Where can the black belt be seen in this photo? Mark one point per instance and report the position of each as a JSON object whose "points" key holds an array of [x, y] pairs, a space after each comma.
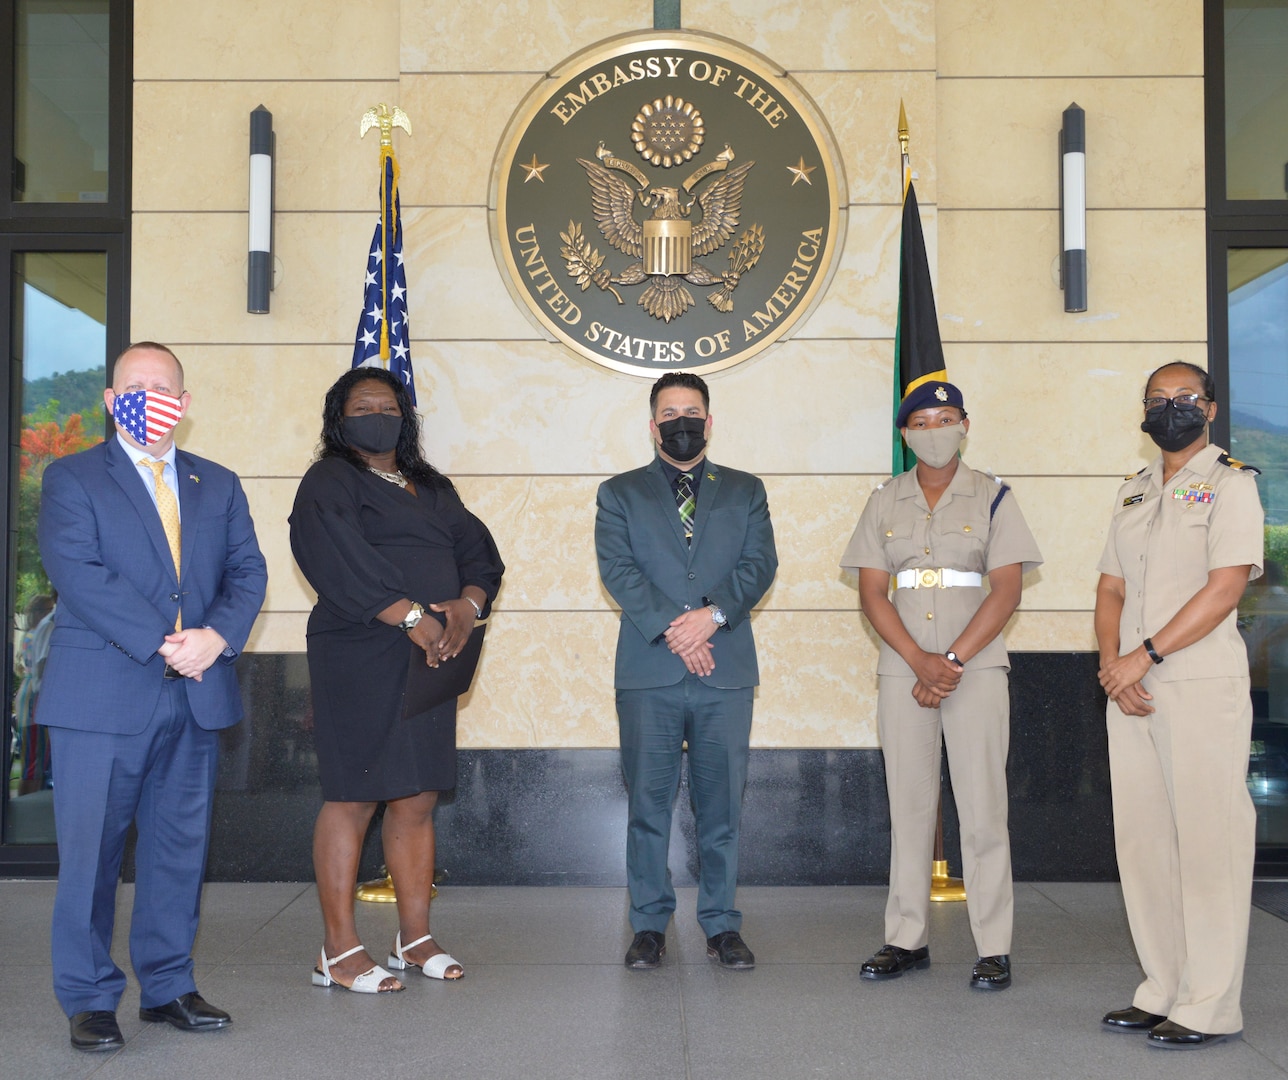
{"points": [[173, 673]]}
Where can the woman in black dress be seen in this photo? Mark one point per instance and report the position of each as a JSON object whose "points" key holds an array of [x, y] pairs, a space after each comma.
{"points": [[402, 570]]}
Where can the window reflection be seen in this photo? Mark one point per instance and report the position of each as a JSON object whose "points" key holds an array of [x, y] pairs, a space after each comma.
{"points": [[61, 101], [59, 341], [1258, 307]]}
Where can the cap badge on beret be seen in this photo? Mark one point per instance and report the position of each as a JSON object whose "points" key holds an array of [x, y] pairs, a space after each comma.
{"points": [[941, 393]]}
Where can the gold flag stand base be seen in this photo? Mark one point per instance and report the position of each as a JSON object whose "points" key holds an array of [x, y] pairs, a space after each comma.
{"points": [[381, 890], [943, 887]]}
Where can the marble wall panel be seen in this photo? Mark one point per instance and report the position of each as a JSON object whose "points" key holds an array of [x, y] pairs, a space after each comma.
{"points": [[190, 144], [862, 109], [1146, 277], [998, 141], [858, 34], [188, 278], [813, 518], [278, 632], [531, 407], [1052, 408], [525, 35], [247, 39], [1049, 37], [458, 120], [1069, 519], [863, 298], [455, 289], [270, 506], [1051, 631], [544, 527], [257, 409], [818, 685]]}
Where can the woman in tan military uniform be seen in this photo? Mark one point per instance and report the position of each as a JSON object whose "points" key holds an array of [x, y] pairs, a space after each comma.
{"points": [[936, 531], [1185, 539]]}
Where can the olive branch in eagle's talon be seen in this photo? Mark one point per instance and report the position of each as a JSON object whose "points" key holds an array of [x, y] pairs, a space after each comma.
{"points": [[745, 254], [585, 265]]}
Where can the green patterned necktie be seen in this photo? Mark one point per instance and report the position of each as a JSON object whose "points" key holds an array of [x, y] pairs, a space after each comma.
{"points": [[684, 500]]}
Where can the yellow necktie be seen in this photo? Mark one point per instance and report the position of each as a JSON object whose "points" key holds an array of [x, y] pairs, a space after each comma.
{"points": [[168, 508]]}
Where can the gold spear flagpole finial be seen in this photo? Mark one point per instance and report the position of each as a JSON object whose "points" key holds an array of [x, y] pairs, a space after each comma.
{"points": [[386, 118], [906, 161]]}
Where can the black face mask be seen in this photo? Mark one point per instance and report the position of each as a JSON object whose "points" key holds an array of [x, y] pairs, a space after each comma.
{"points": [[683, 438], [1173, 427], [374, 433]]}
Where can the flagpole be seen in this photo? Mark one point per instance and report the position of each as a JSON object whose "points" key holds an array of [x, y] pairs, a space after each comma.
{"points": [[942, 887]]}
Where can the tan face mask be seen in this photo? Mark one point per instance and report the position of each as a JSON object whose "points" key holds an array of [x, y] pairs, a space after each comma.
{"points": [[935, 446]]}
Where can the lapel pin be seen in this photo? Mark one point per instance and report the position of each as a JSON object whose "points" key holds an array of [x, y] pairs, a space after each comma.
{"points": [[194, 478], [711, 476]]}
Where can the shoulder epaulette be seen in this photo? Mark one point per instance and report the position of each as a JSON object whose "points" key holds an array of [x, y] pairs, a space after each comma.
{"points": [[883, 483], [1132, 476], [1235, 463]]}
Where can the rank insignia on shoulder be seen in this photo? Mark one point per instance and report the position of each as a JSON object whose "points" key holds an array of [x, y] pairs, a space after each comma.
{"points": [[1235, 463], [1132, 500], [1132, 476]]}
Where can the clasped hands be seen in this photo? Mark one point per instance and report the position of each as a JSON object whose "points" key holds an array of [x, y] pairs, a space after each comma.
{"points": [[937, 677], [444, 642], [190, 652], [1121, 677], [689, 636]]}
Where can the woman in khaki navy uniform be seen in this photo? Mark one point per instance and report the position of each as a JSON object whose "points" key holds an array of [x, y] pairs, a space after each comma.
{"points": [[937, 530], [1185, 539]]}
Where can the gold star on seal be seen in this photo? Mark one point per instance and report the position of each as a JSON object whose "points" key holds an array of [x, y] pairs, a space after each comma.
{"points": [[800, 172], [534, 169]]}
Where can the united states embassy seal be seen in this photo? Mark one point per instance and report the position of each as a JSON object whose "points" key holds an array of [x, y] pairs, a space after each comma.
{"points": [[667, 201]]}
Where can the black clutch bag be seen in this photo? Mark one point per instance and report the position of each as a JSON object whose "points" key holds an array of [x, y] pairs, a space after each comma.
{"points": [[428, 687]]}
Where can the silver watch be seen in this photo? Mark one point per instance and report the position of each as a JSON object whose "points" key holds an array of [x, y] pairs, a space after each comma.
{"points": [[412, 618], [717, 616]]}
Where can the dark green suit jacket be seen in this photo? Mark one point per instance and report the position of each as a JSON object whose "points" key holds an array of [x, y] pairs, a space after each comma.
{"points": [[655, 576]]}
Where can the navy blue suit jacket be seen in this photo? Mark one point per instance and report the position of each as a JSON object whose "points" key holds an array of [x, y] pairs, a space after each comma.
{"points": [[655, 576], [105, 551]]}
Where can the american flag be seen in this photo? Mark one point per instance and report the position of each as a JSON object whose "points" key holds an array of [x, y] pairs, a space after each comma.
{"points": [[146, 415], [383, 339]]}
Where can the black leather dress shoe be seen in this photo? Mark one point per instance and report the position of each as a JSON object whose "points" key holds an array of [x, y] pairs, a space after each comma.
{"points": [[890, 961], [1171, 1036], [1131, 1020], [732, 952], [646, 950], [991, 973], [191, 1012], [96, 1030]]}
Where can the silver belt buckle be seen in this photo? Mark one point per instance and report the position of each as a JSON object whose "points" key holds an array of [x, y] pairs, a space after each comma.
{"points": [[929, 579]]}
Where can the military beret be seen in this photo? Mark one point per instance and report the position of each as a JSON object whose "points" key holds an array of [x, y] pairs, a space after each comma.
{"points": [[928, 395]]}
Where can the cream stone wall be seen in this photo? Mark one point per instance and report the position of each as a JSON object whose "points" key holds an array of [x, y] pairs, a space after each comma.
{"points": [[528, 431]]}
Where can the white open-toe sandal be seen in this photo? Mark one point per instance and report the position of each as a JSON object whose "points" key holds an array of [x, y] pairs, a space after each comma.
{"points": [[433, 968], [366, 983]]}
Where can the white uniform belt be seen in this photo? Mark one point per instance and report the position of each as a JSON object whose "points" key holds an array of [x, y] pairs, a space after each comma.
{"points": [[936, 579]]}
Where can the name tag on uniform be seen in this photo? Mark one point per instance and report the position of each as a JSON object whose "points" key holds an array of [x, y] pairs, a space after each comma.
{"points": [[1195, 493], [1132, 500]]}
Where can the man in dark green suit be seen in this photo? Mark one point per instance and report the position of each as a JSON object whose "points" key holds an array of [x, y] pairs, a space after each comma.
{"points": [[686, 549]]}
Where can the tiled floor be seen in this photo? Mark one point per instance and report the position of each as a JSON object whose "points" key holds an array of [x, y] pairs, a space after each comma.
{"points": [[546, 995]]}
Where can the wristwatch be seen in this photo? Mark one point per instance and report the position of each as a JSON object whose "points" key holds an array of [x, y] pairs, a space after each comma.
{"points": [[953, 658], [412, 618], [717, 616]]}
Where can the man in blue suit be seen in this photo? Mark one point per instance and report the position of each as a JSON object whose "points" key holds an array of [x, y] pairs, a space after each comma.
{"points": [[159, 580], [686, 549]]}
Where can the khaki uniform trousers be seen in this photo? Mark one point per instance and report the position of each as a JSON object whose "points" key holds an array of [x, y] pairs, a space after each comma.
{"points": [[1185, 831], [975, 722]]}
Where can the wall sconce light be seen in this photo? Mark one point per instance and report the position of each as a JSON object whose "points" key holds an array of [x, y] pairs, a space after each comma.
{"points": [[259, 275], [1073, 208]]}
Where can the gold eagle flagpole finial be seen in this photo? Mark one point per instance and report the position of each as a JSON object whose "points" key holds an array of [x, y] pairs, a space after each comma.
{"points": [[386, 118]]}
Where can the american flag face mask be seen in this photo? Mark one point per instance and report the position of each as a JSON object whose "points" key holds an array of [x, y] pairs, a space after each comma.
{"points": [[146, 415]]}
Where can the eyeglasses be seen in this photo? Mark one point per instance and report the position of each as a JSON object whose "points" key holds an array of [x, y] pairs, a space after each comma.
{"points": [[1181, 401]]}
